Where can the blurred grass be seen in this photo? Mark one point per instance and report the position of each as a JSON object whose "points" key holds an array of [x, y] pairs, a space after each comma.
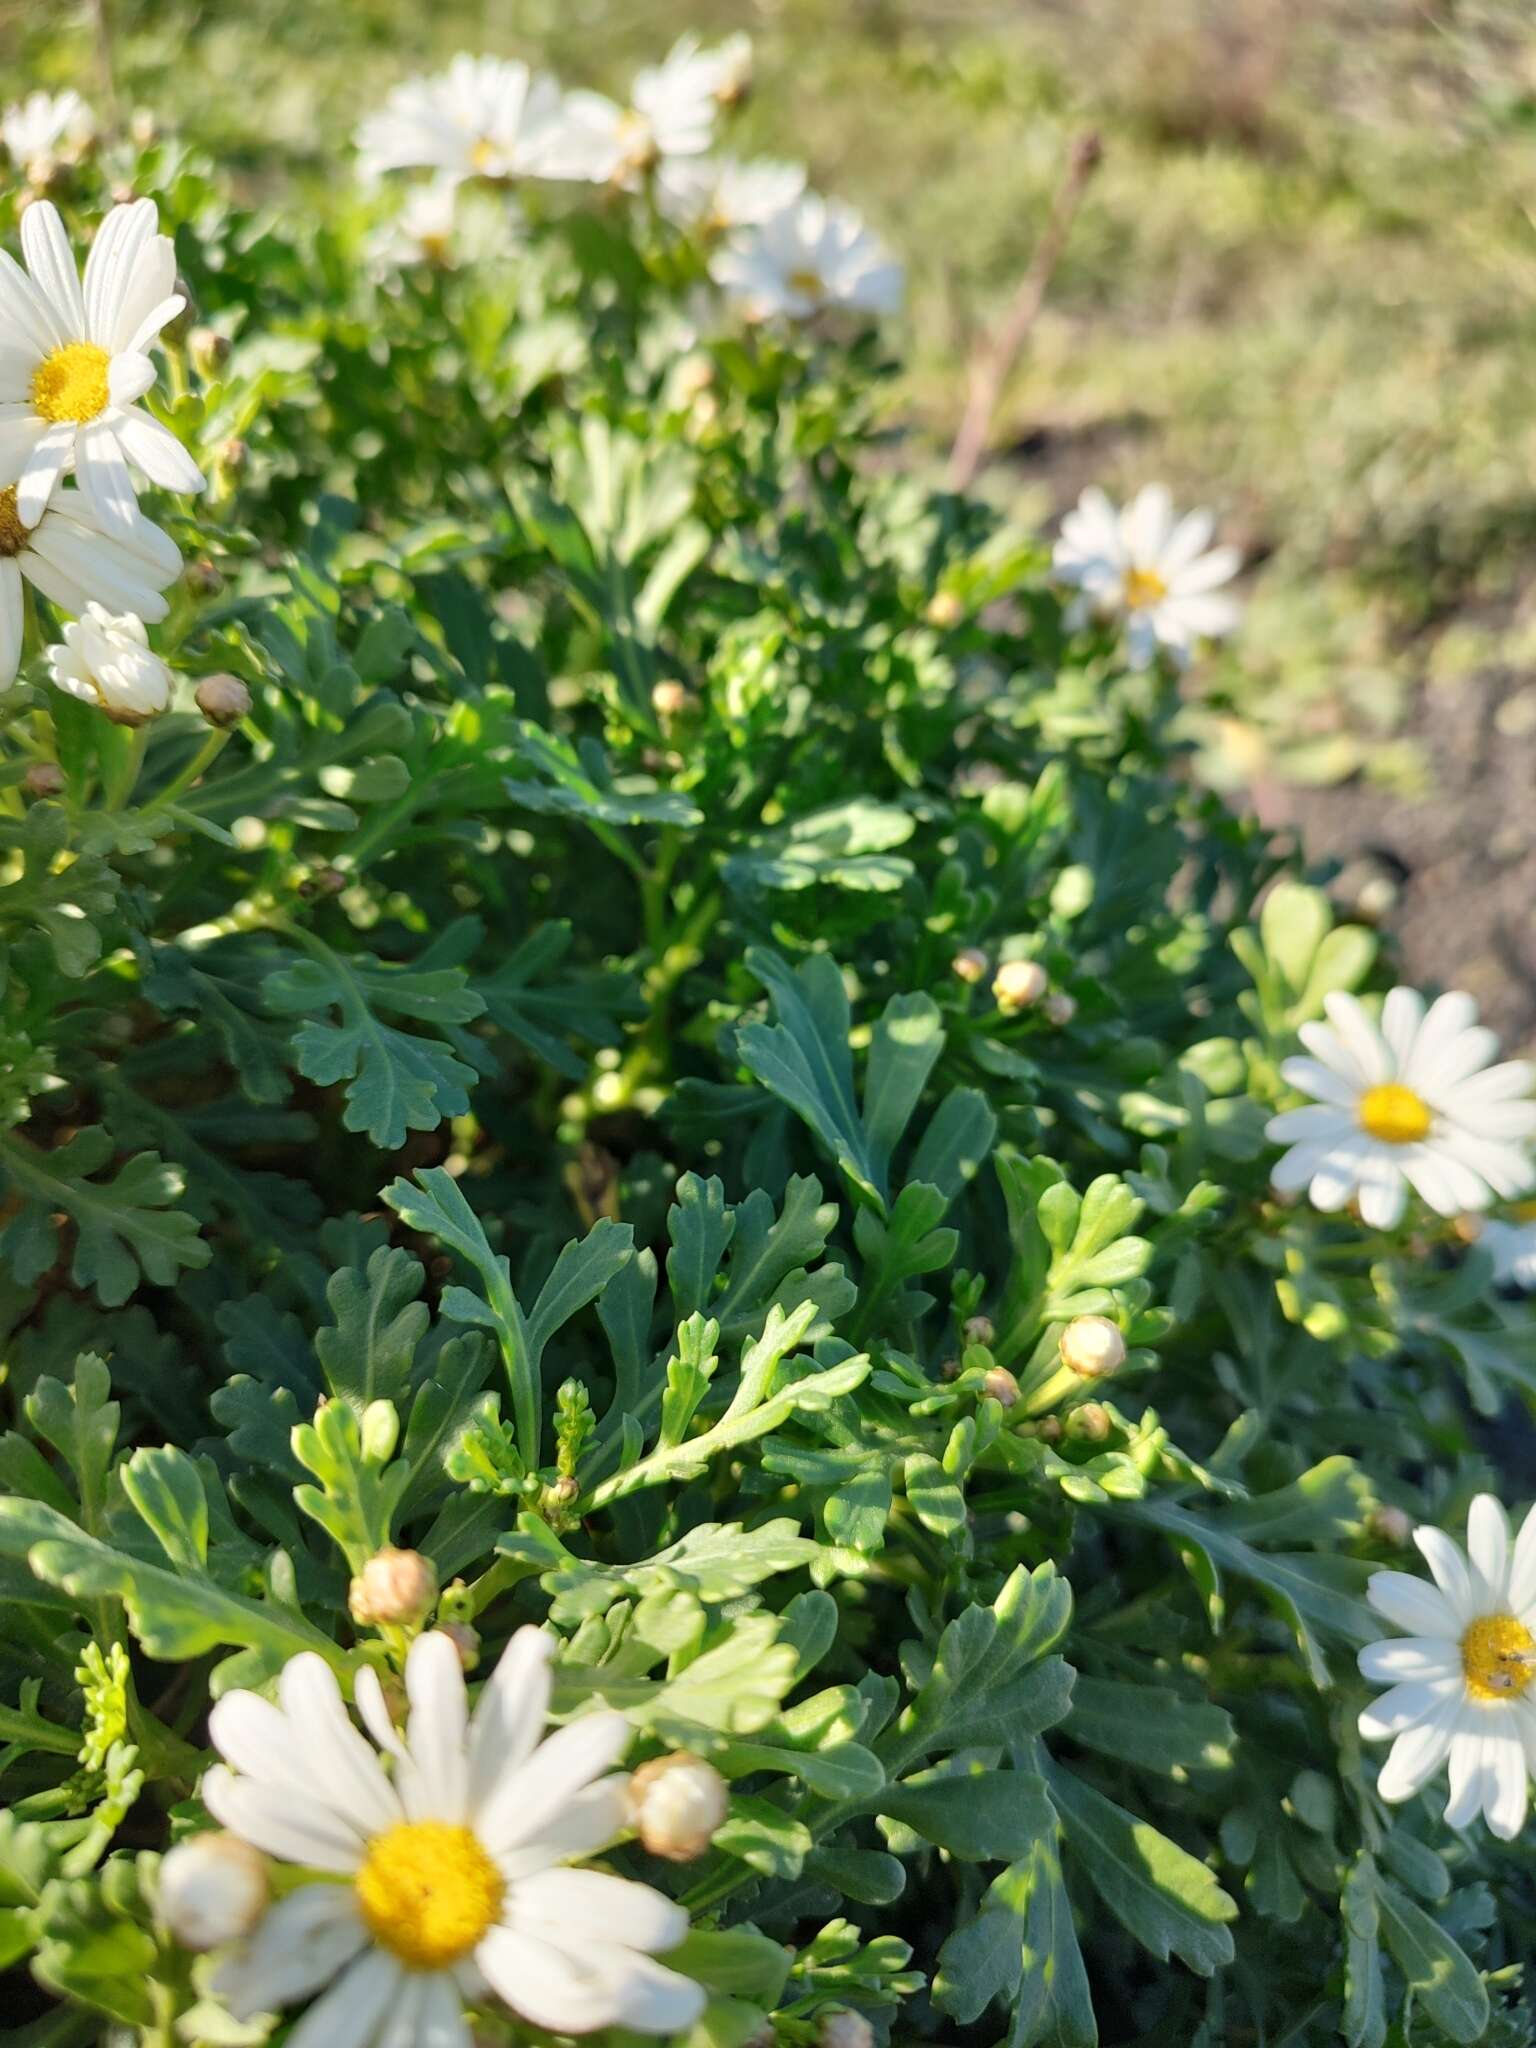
{"points": [[1303, 286]]}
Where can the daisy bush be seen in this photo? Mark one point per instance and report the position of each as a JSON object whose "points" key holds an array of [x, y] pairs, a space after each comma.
{"points": [[720, 1321]]}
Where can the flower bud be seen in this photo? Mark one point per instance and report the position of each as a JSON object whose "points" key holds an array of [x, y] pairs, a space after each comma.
{"points": [[1000, 1386], [144, 129], [208, 349], [223, 700], [670, 699], [1048, 1429], [465, 1640], [395, 1587], [978, 1330], [43, 779], [1090, 1423], [1058, 1008], [845, 2029], [1092, 1347], [213, 1889], [105, 660], [944, 610], [233, 456], [675, 1804], [693, 376], [1392, 1525], [969, 964], [1018, 983]]}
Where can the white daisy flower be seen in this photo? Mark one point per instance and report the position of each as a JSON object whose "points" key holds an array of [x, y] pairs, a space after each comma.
{"points": [[812, 256], [71, 558], [106, 661], [73, 361], [731, 68], [484, 117], [442, 225], [713, 195], [451, 1860], [1161, 573], [1461, 1678], [671, 113], [46, 126], [1412, 1102], [1513, 1249]]}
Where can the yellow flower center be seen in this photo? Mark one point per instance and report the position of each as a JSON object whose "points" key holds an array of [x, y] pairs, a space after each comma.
{"points": [[427, 1892], [807, 283], [71, 384], [13, 535], [1143, 589], [637, 143], [1493, 1654], [1394, 1114], [483, 155]]}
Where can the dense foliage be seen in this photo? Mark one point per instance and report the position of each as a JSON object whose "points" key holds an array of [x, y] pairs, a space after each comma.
{"points": [[525, 1093]]}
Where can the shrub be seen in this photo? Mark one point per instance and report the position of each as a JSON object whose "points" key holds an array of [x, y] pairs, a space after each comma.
{"points": [[659, 1047]]}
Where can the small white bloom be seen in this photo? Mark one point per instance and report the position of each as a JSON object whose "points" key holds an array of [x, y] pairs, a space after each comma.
{"points": [[213, 1889], [1412, 1102], [46, 126], [731, 68], [676, 1803], [813, 255], [1092, 1347], [1512, 1247], [451, 1858], [74, 561], [714, 195], [1461, 1678], [106, 661], [73, 363], [1018, 983], [671, 113], [484, 117], [1162, 574]]}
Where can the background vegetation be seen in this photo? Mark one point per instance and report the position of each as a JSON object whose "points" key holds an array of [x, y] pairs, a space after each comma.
{"points": [[1300, 289]]}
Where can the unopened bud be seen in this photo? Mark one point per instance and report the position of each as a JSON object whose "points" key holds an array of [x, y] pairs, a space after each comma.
{"points": [[1018, 983], [693, 375], [969, 964], [208, 349], [394, 1588], [563, 1491], [181, 324], [944, 610], [845, 2029], [1392, 1525], [144, 129], [1092, 1347], [213, 1889], [670, 699], [1059, 1008], [675, 1805], [233, 456], [978, 1330], [223, 700], [465, 1640], [44, 779], [203, 577], [1048, 1429], [1000, 1385], [1091, 1423]]}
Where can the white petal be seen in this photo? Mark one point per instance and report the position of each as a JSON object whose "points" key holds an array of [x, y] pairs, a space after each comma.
{"points": [[1406, 1705], [1359, 1037], [368, 1697], [1446, 1560], [510, 1713], [1403, 1658], [269, 1821], [1383, 1193], [156, 450], [1420, 1609], [1201, 578], [527, 1799], [44, 466], [149, 282], [545, 1986], [335, 1755], [1436, 1053], [1522, 1575], [128, 378], [553, 1902], [13, 619], [159, 315], [52, 264], [355, 2007], [109, 264], [103, 477], [1417, 1754], [1313, 1078], [1505, 1783], [1319, 1120], [435, 1734], [26, 318], [1488, 1547], [1146, 524], [300, 1944]]}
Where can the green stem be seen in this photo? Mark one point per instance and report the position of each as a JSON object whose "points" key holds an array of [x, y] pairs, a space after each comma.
{"points": [[195, 769]]}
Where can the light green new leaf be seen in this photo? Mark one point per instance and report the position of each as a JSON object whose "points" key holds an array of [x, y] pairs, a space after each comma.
{"points": [[1440, 1974]]}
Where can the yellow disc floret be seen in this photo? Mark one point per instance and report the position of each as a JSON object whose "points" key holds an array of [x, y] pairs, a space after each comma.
{"points": [[808, 283], [428, 1892], [71, 384], [1493, 1656], [1143, 589], [1394, 1114], [13, 535]]}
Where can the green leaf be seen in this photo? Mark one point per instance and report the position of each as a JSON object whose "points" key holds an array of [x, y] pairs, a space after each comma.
{"points": [[992, 1682], [982, 1816], [361, 1481], [578, 783], [369, 1352], [1438, 1970], [764, 1837], [1364, 2023], [804, 1059], [81, 1422], [1150, 1726], [124, 1227], [1168, 1900]]}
